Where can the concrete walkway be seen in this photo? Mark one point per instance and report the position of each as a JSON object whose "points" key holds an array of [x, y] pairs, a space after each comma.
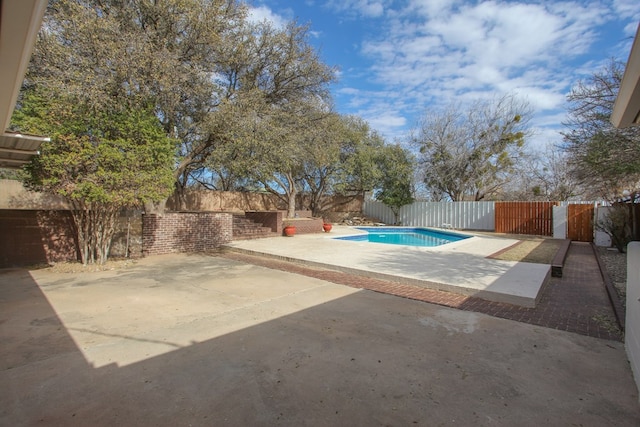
{"points": [[461, 267], [208, 341], [577, 302]]}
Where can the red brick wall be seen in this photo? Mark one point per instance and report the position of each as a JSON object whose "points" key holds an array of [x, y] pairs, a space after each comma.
{"points": [[185, 232], [29, 237], [267, 219], [305, 226]]}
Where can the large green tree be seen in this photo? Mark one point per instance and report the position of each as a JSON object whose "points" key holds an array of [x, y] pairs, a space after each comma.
{"points": [[603, 158], [343, 161], [359, 158], [395, 188], [207, 72], [284, 143], [276, 87], [100, 161], [470, 154]]}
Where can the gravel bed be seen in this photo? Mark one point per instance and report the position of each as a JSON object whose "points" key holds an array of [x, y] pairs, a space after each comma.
{"points": [[616, 265]]}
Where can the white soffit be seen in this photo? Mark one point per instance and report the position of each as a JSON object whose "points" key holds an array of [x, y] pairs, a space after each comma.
{"points": [[17, 149], [626, 110], [20, 21]]}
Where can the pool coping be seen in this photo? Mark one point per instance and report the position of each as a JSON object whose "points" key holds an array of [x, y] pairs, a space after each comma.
{"points": [[460, 267]]}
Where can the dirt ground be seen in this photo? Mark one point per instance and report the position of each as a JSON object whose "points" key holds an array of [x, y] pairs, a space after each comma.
{"points": [[532, 249]]}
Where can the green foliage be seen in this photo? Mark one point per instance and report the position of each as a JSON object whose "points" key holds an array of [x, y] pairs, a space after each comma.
{"points": [[205, 69], [117, 157], [13, 174], [359, 158], [396, 165], [245, 99], [100, 161], [617, 224], [230, 91], [342, 159]]}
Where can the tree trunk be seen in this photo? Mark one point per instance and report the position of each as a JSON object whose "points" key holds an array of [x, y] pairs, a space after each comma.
{"points": [[291, 196], [291, 208], [396, 215]]}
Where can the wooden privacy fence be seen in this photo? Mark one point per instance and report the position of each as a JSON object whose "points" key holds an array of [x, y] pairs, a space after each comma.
{"points": [[580, 222], [535, 218]]}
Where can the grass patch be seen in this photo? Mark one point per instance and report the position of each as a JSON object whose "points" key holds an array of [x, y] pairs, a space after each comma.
{"points": [[535, 250]]}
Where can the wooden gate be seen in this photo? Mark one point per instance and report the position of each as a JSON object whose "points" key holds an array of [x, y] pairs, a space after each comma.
{"points": [[534, 218], [580, 222]]}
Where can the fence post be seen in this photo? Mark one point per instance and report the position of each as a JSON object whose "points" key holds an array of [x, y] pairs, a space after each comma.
{"points": [[601, 238], [560, 222]]}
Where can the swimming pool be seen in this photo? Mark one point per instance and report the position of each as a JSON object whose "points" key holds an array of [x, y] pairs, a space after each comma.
{"points": [[405, 236]]}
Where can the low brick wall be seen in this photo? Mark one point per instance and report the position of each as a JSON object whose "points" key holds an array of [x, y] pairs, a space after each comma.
{"points": [[277, 220], [272, 219], [185, 232], [29, 237], [306, 225]]}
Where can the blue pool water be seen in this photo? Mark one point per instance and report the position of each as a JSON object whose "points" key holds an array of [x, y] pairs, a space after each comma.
{"points": [[405, 236]]}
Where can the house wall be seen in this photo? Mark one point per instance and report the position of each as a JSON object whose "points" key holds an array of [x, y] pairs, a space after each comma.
{"points": [[632, 317]]}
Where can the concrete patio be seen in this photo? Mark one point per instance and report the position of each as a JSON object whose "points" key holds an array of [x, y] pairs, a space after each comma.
{"points": [[460, 267], [202, 340]]}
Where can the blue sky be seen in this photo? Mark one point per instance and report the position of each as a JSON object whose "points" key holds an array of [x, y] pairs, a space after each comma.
{"points": [[396, 58]]}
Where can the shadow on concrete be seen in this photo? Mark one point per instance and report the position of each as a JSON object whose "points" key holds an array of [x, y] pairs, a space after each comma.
{"points": [[360, 359]]}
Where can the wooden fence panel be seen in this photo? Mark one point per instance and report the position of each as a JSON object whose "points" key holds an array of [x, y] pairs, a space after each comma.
{"points": [[535, 218], [580, 223]]}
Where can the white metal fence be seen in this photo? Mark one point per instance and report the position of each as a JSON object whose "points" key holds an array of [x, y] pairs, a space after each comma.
{"points": [[460, 215], [468, 216]]}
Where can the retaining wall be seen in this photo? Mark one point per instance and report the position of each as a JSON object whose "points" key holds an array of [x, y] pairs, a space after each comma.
{"points": [[185, 232], [305, 225]]}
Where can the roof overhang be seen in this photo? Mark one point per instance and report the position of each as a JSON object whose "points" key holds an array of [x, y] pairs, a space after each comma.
{"points": [[626, 110], [20, 21], [17, 149]]}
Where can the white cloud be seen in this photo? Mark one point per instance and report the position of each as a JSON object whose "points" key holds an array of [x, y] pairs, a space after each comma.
{"points": [[430, 53], [365, 8], [386, 122], [432, 8], [263, 13], [383, 110], [627, 9], [437, 51], [543, 137]]}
